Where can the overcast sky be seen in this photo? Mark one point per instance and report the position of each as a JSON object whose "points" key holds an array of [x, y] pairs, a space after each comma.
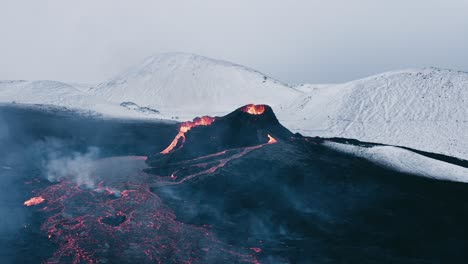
{"points": [[310, 41]]}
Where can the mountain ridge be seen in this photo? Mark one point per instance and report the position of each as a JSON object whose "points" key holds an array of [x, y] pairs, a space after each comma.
{"points": [[186, 81], [422, 109]]}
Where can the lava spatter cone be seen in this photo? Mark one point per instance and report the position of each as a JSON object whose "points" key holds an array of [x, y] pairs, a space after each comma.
{"points": [[246, 126]]}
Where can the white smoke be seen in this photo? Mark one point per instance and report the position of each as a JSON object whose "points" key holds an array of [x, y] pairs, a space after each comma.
{"points": [[77, 167]]}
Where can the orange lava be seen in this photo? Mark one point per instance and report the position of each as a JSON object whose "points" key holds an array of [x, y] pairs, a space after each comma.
{"points": [[254, 109], [186, 126], [271, 140], [34, 201], [220, 163]]}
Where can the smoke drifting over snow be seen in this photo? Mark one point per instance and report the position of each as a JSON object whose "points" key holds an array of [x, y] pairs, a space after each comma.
{"points": [[77, 167]]}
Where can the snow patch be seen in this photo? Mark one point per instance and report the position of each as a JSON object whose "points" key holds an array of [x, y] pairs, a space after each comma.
{"points": [[52, 95], [405, 161]]}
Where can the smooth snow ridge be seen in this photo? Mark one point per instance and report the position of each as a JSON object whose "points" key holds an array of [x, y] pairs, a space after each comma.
{"points": [[60, 94], [422, 109], [405, 161], [181, 82]]}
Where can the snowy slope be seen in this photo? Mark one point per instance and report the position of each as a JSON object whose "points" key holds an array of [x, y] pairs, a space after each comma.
{"points": [[406, 161], [423, 109], [60, 94], [187, 85]]}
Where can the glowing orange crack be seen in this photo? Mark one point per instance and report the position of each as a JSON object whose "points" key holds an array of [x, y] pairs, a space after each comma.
{"points": [[221, 163], [34, 201], [271, 140], [186, 126]]}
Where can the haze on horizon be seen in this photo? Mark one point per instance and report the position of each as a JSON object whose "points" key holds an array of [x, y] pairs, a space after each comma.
{"points": [[293, 41]]}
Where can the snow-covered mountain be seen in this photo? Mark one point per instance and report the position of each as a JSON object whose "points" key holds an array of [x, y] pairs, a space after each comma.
{"points": [[182, 83], [425, 109], [58, 94]]}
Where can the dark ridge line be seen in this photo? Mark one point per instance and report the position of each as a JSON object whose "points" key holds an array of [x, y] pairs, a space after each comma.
{"points": [[64, 112]]}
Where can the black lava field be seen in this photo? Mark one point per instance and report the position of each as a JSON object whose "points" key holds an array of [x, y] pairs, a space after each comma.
{"points": [[240, 188]]}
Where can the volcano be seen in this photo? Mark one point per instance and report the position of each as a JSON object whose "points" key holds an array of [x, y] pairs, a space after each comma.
{"points": [[242, 188], [247, 126], [297, 200], [207, 144]]}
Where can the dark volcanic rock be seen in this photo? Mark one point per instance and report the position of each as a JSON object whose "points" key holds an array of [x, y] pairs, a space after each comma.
{"points": [[226, 195], [306, 202], [114, 220], [235, 130]]}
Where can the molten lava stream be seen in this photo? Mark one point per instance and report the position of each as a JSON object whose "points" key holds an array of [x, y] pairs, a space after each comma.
{"points": [[103, 225], [91, 227], [211, 166], [186, 126]]}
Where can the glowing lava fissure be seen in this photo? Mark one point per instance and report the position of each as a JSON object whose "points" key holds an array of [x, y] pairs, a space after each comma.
{"points": [[186, 126], [136, 227], [133, 225], [204, 165], [34, 201], [254, 109]]}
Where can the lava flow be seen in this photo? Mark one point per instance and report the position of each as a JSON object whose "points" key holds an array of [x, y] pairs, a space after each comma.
{"points": [[34, 201], [186, 126], [124, 220], [190, 169], [254, 109], [134, 227]]}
